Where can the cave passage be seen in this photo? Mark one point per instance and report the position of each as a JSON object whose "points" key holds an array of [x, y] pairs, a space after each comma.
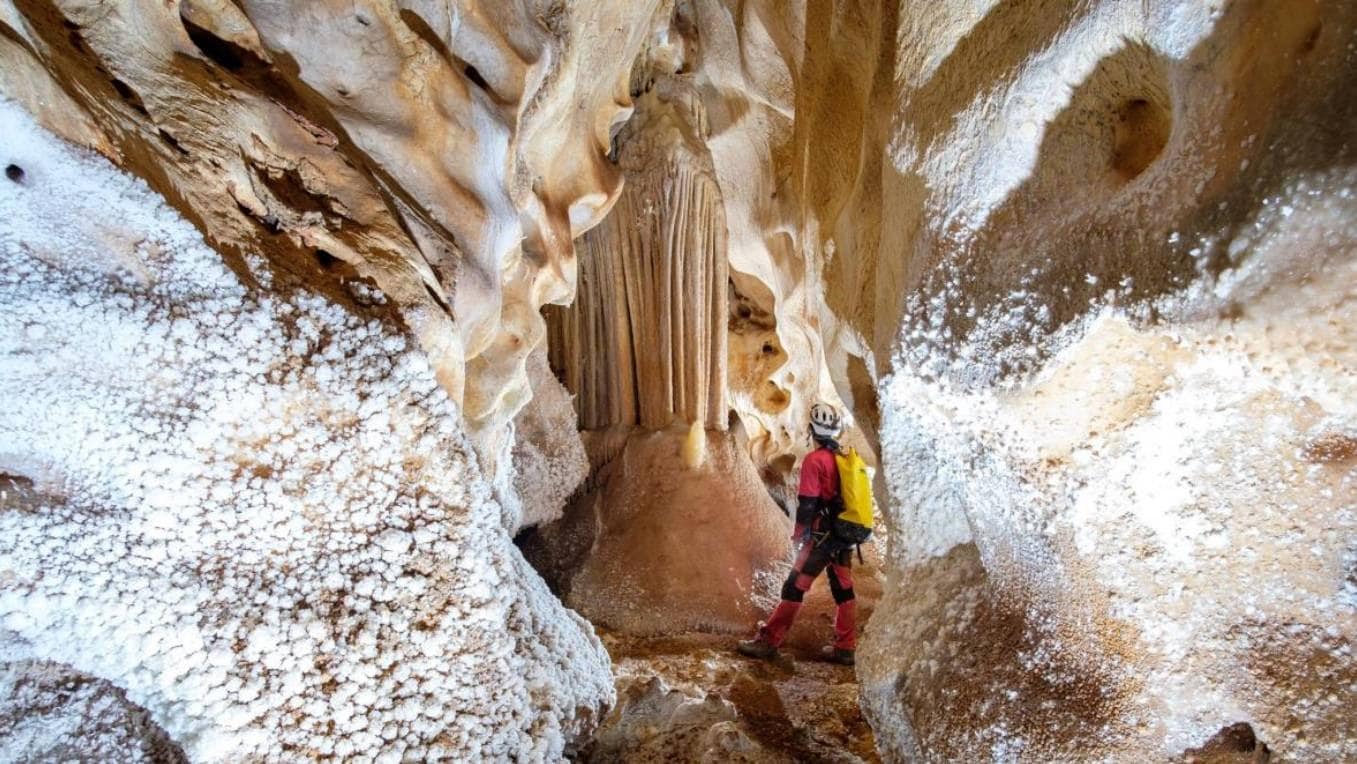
{"points": [[431, 381]]}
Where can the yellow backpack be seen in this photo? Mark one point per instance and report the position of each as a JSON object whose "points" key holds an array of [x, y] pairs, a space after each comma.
{"points": [[855, 490]]}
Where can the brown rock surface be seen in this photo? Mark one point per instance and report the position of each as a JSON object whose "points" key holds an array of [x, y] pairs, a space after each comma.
{"points": [[652, 546], [691, 698]]}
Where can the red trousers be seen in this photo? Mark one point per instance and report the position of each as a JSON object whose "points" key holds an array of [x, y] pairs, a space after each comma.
{"points": [[810, 560]]}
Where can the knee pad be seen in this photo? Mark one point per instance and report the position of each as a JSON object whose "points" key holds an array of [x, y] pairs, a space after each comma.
{"points": [[790, 592], [841, 584]]}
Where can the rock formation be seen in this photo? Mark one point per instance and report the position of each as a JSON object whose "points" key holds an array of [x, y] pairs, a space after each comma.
{"points": [[1080, 273], [645, 341], [549, 460], [656, 546], [1128, 300], [306, 135], [673, 497], [255, 513]]}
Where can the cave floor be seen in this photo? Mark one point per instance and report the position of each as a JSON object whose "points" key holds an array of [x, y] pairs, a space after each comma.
{"points": [[674, 691], [691, 697]]}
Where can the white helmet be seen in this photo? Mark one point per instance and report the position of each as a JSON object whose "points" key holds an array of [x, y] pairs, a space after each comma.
{"points": [[825, 421]]}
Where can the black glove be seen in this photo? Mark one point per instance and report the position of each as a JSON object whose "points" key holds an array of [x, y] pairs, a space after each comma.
{"points": [[807, 508]]}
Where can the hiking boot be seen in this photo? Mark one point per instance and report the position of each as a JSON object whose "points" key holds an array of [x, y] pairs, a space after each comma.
{"points": [[757, 648], [837, 655]]}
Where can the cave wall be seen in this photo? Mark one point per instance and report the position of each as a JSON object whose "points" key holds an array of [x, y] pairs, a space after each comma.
{"points": [[785, 95], [256, 513], [1117, 245], [305, 134]]}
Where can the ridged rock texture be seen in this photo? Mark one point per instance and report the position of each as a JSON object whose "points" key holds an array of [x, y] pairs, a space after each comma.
{"points": [[645, 341], [643, 348], [1082, 275]]}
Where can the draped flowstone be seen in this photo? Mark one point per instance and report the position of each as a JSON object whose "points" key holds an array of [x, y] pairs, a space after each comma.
{"points": [[645, 341]]}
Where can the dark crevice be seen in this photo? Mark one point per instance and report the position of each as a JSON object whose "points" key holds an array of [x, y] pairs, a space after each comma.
{"points": [[1237, 742], [129, 95], [434, 296], [288, 187], [172, 142], [525, 536], [552, 316], [222, 52], [269, 222], [476, 78], [1311, 40]]}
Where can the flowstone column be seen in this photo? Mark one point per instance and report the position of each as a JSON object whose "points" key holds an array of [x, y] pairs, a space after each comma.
{"points": [[680, 530]]}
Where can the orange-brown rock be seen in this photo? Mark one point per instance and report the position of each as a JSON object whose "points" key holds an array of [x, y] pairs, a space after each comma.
{"points": [[657, 545]]}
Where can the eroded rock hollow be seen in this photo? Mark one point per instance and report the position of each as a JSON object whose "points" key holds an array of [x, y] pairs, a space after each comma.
{"points": [[312, 309]]}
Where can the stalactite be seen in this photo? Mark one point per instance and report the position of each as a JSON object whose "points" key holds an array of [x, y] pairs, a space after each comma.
{"points": [[645, 341]]}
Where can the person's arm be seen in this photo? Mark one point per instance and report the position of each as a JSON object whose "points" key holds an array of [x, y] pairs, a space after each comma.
{"points": [[808, 501], [807, 507]]}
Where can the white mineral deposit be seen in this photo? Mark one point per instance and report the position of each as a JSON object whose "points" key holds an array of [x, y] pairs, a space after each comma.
{"points": [[449, 380]]}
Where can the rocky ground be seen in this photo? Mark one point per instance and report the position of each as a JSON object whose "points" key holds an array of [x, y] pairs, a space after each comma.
{"points": [[690, 697]]}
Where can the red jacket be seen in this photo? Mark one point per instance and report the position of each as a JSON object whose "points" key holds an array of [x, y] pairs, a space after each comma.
{"points": [[819, 475], [819, 480]]}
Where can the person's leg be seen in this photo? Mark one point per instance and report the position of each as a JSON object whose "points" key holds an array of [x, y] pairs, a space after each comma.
{"points": [[810, 560], [845, 615]]}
